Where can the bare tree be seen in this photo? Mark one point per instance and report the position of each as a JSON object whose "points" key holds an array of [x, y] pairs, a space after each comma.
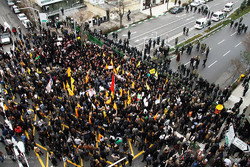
{"points": [[238, 68], [246, 54], [120, 10]]}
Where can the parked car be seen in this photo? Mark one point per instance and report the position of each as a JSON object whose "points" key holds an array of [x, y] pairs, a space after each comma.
{"points": [[177, 9], [5, 38], [15, 9], [26, 23], [195, 3], [10, 3], [22, 16]]}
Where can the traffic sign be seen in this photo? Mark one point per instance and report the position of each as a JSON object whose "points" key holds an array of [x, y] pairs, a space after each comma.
{"points": [[241, 145]]}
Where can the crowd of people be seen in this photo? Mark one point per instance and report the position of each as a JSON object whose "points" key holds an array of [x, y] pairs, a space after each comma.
{"points": [[87, 101]]}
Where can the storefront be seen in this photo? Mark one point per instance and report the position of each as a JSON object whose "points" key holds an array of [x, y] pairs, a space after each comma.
{"points": [[54, 6]]}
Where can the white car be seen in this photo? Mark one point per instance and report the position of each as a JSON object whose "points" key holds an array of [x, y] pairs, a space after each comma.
{"points": [[26, 23], [15, 9], [11, 3], [195, 3], [22, 16], [5, 38]]}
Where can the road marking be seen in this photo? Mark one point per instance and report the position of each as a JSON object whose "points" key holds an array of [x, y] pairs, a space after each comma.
{"points": [[168, 31], [227, 53], [212, 64], [190, 18], [47, 164], [131, 148], [187, 63], [173, 57], [157, 28], [237, 44], [233, 33], [40, 160], [221, 41], [133, 32], [137, 40], [124, 35]]}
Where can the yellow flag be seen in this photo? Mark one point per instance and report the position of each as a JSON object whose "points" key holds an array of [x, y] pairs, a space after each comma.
{"points": [[30, 56], [139, 77], [166, 81], [122, 71], [166, 111], [112, 64], [128, 93], [133, 85], [29, 71], [64, 86], [39, 72], [108, 101], [104, 114], [107, 67], [129, 100], [67, 85], [87, 78], [114, 71], [121, 92], [106, 93], [72, 83], [112, 94], [156, 74], [138, 64], [78, 105], [69, 72], [103, 55], [71, 93], [159, 97], [115, 106], [5, 107], [147, 86], [117, 69], [155, 117]]}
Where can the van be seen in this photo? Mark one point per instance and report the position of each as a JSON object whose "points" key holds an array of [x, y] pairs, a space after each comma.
{"points": [[27, 23], [228, 7], [201, 23], [217, 16]]}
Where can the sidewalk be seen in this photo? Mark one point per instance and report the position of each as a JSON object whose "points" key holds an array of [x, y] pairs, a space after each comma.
{"points": [[161, 9]]}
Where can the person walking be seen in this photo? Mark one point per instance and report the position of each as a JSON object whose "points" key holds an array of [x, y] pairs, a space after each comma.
{"points": [[176, 40], [184, 30], [246, 87], [207, 51], [231, 24], [204, 62], [187, 29], [130, 158], [129, 33]]}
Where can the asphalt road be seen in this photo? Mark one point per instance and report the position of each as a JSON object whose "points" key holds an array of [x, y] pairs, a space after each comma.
{"points": [[169, 26], [225, 45]]}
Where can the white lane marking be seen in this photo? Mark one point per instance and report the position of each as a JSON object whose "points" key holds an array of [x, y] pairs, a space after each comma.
{"points": [[187, 63], [190, 18], [233, 34], [168, 31], [237, 44], [124, 35], [173, 57], [215, 4], [221, 41], [133, 32], [137, 40], [157, 28], [212, 64], [227, 53]]}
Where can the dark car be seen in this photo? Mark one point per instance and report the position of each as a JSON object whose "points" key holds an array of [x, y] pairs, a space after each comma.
{"points": [[177, 9]]}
